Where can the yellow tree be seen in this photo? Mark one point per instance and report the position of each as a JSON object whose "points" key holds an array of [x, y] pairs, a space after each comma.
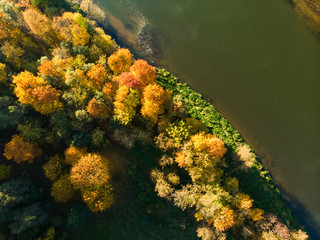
{"points": [[153, 101], [74, 154], [99, 199], [90, 172], [120, 61], [209, 143], [62, 190], [20, 150], [34, 91], [126, 101], [39, 24]]}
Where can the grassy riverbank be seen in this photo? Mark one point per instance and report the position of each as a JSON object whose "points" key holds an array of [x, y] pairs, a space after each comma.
{"points": [[257, 182]]}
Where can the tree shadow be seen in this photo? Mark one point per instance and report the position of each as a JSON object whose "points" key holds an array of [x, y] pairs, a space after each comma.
{"points": [[305, 217]]}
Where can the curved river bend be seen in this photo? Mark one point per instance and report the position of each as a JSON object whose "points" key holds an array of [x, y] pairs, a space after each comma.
{"points": [[260, 64]]}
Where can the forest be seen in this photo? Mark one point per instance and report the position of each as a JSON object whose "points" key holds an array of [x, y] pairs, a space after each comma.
{"points": [[75, 107]]}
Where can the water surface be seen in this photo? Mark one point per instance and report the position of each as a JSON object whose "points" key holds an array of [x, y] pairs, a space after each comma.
{"points": [[260, 64]]}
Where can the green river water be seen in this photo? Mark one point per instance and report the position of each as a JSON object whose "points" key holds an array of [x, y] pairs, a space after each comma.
{"points": [[260, 64]]}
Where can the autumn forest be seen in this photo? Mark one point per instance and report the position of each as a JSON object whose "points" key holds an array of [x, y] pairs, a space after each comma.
{"points": [[70, 97]]}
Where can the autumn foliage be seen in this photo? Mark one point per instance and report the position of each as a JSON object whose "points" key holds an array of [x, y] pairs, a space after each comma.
{"points": [[97, 75], [74, 154], [90, 172], [35, 91], [129, 80], [62, 190], [153, 101], [120, 61], [97, 110], [145, 73], [20, 150]]}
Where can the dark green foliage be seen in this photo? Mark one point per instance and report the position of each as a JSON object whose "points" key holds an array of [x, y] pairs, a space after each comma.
{"points": [[27, 217], [11, 112], [32, 131], [61, 124], [78, 216], [18, 191]]}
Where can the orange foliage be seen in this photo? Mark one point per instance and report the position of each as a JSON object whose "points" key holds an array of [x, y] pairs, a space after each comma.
{"points": [[128, 79], [47, 68], [90, 172], [97, 110], [73, 154], [153, 100], [46, 99], [120, 61], [97, 75], [20, 150], [99, 199], [145, 73], [180, 159], [109, 88], [209, 142], [225, 219]]}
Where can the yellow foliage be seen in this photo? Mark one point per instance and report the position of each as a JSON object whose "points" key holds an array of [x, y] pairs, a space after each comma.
{"points": [[153, 101], [209, 142], [120, 61], [225, 220], [99, 199], [53, 168], [20, 150], [256, 214], [62, 190], [73, 154], [97, 75]]}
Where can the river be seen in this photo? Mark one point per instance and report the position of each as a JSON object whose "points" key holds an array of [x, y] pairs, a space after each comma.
{"points": [[260, 64]]}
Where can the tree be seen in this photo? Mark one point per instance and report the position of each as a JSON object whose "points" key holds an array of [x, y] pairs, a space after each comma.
{"points": [[126, 101], [74, 154], [103, 41], [97, 75], [47, 68], [5, 171], [93, 11], [97, 110], [145, 73], [129, 80], [27, 217], [90, 172], [100, 198], [3, 74], [62, 190], [34, 91], [32, 131], [14, 55], [153, 100], [20, 150], [209, 143], [54, 168], [39, 24], [69, 30], [120, 61]]}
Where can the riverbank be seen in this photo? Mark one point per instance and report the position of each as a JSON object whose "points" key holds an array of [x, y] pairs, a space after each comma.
{"points": [[257, 182], [310, 11]]}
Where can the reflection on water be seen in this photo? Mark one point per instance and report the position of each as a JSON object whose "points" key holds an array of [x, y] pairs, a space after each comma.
{"points": [[259, 63]]}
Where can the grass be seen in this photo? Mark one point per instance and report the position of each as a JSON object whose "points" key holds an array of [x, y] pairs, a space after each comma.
{"points": [[138, 213]]}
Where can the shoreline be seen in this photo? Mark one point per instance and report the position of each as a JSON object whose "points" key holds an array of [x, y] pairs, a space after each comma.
{"points": [[289, 213]]}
